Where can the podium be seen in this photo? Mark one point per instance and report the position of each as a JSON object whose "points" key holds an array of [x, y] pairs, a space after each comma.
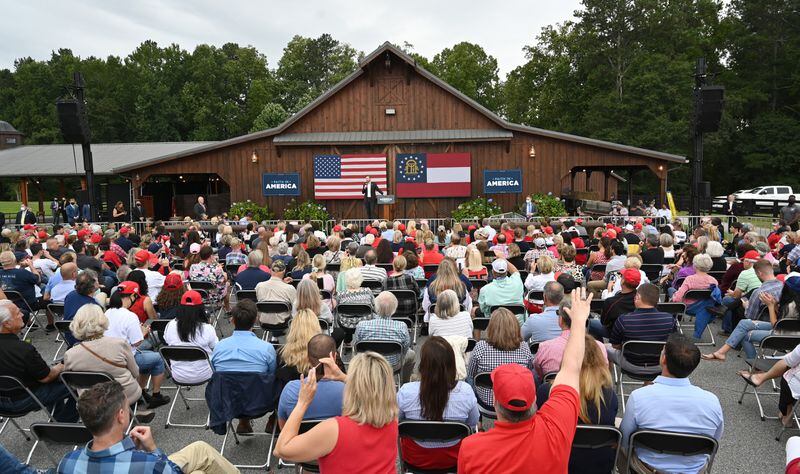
{"points": [[386, 206]]}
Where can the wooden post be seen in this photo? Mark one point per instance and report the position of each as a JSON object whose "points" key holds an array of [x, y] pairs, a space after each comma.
{"points": [[41, 197], [630, 189], [572, 180], [588, 177], [606, 175], [23, 191]]}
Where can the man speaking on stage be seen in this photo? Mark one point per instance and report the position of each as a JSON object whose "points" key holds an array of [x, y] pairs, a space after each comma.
{"points": [[370, 191]]}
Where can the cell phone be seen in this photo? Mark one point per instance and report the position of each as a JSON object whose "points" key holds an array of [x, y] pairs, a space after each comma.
{"points": [[320, 284], [163, 255]]}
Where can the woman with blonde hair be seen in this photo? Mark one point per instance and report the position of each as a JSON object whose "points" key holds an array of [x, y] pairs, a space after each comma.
{"points": [[599, 406], [446, 278], [348, 262], [334, 252], [473, 264], [364, 437], [318, 265], [542, 271], [294, 354], [302, 263], [308, 297], [503, 345]]}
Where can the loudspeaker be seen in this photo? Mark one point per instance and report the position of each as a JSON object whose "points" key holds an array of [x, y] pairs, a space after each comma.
{"points": [[709, 108], [72, 121], [704, 189]]}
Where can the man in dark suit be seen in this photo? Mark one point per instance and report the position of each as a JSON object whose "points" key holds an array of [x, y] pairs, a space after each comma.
{"points": [[137, 213], [370, 191], [200, 210], [731, 208], [25, 216]]}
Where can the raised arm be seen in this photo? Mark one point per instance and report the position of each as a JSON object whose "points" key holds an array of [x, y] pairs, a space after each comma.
{"points": [[573, 352]]}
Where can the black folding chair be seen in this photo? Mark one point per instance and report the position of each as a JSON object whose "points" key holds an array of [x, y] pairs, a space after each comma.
{"points": [[787, 327], [205, 288], [62, 434], [75, 381], [478, 283], [305, 426], [13, 387], [764, 360], [484, 381], [351, 310], [652, 270], [21, 303], [387, 349], [470, 345], [386, 266], [413, 303], [232, 269], [430, 269], [591, 441], [647, 354], [699, 295], [157, 329], [274, 307], [172, 354], [717, 276], [333, 267], [596, 306], [599, 267], [534, 347], [674, 443], [375, 285], [480, 324], [517, 309], [242, 295], [63, 328], [534, 296], [422, 431]]}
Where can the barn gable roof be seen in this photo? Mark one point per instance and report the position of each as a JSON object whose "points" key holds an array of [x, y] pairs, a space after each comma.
{"points": [[373, 56]]}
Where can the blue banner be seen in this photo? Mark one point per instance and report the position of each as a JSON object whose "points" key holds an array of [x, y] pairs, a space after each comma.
{"points": [[280, 184], [502, 181]]}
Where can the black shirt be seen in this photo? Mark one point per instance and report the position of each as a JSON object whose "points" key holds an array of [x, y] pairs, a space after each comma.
{"points": [[21, 360], [617, 305], [653, 256], [85, 261]]}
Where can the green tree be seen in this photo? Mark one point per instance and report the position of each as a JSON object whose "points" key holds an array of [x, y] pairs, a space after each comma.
{"points": [[271, 115], [468, 68]]}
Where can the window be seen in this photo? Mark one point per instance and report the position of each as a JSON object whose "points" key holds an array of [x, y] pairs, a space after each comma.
{"points": [[784, 190], [11, 140]]}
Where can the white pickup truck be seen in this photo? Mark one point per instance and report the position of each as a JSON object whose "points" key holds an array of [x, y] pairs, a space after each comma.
{"points": [[762, 197]]}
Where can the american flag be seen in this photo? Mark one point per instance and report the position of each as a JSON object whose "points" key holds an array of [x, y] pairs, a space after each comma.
{"points": [[342, 176]]}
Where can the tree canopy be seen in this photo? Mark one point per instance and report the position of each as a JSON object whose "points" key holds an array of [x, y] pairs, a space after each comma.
{"points": [[620, 71]]}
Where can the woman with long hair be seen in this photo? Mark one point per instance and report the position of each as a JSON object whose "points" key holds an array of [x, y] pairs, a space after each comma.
{"points": [[503, 345], [412, 264], [446, 278], [364, 437], [313, 245], [143, 306], [598, 406], [402, 280], [438, 396], [349, 261], [308, 297], [119, 214], [384, 251], [294, 354], [334, 252], [600, 257], [473, 264], [397, 241], [302, 263], [170, 295], [191, 328], [318, 265]]}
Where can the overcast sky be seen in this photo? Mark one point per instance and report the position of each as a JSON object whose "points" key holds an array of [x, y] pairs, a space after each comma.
{"points": [[100, 28]]}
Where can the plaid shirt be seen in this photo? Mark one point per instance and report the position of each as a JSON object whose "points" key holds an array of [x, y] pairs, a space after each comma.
{"points": [[794, 254], [486, 358], [235, 258], [383, 329], [405, 306], [120, 458]]}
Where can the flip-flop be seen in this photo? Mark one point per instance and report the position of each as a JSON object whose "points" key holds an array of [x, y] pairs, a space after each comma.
{"points": [[746, 377], [711, 356]]}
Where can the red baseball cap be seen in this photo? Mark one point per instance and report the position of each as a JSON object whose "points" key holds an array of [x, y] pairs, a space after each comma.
{"points": [[142, 256], [401, 227], [752, 256], [28, 227], [173, 281], [191, 298], [337, 228], [514, 388], [548, 230], [96, 238], [637, 226], [42, 234], [631, 276], [648, 221], [83, 233], [609, 226], [123, 230], [472, 227], [128, 288], [579, 221], [610, 233]]}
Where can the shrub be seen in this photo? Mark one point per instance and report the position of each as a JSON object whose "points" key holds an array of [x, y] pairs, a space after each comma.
{"points": [[548, 206], [260, 213], [476, 209], [306, 211]]}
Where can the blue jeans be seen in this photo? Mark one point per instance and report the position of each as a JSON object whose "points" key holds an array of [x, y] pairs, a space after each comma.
{"points": [[727, 320], [149, 362], [53, 394], [11, 465], [746, 333], [597, 329], [702, 317]]}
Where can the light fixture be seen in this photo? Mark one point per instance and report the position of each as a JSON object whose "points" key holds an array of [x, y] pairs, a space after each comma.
{"points": [[387, 61], [180, 177], [660, 167], [532, 151], [391, 111], [254, 157]]}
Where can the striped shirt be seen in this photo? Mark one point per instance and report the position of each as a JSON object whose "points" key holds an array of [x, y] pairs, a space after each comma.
{"points": [[642, 324], [457, 325], [462, 406]]}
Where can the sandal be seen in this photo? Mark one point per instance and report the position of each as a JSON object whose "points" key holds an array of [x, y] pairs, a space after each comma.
{"points": [[747, 378], [712, 356]]}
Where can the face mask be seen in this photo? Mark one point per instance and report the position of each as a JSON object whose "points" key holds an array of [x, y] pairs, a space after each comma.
{"points": [[22, 208], [527, 200]]}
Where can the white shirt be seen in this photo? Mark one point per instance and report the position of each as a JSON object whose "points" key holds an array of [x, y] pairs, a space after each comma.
{"points": [[680, 236], [490, 232], [61, 289], [124, 324], [665, 213], [536, 282], [458, 325], [196, 371], [46, 266], [154, 280]]}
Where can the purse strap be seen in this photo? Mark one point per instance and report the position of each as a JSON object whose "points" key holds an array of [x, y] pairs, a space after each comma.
{"points": [[109, 362]]}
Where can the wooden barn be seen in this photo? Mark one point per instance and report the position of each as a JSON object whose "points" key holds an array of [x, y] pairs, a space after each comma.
{"points": [[390, 106]]}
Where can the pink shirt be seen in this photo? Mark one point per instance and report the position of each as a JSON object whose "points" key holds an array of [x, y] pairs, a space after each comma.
{"points": [[698, 281], [548, 358]]}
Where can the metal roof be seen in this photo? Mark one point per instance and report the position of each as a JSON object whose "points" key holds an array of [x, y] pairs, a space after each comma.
{"points": [[58, 160], [7, 127], [407, 136], [502, 123]]}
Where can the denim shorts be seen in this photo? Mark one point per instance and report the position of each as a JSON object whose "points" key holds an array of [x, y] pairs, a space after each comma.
{"points": [[149, 362]]}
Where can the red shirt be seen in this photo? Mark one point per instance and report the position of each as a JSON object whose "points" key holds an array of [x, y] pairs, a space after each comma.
{"points": [[363, 449], [543, 442], [431, 258]]}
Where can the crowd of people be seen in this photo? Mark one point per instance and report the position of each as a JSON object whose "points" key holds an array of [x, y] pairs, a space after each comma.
{"points": [[523, 323]]}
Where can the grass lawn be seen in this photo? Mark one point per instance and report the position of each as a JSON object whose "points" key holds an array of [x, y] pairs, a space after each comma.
{"points": [[10, 207]]}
